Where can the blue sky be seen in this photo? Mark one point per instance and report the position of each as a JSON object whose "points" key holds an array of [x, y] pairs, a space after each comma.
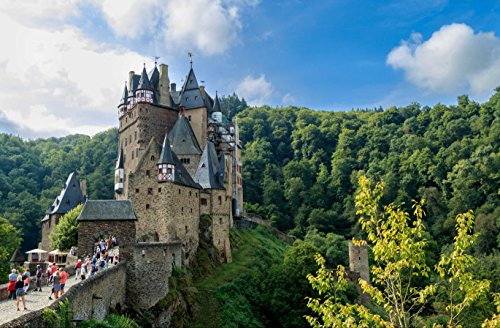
{"points": [[66, 70]]}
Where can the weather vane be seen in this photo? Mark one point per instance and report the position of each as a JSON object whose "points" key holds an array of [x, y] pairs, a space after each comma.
{"points": [[156, 59], [190, 55]]}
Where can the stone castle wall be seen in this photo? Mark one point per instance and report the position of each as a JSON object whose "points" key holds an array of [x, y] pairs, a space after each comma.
{"points": [[47, 228], [90, 231], [150, 270], [191, 167], [137, 128], [220, 213], [90, 299], [198, 118], [165, 211]]}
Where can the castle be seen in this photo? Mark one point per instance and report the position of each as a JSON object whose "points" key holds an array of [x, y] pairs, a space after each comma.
{"points": [[178, 158]]}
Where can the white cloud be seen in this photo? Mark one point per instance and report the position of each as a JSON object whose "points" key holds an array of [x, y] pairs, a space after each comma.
{"points": [[288, 99], [453, 60], [256, 90], [36, 12], [56, 82], [211, 26]]}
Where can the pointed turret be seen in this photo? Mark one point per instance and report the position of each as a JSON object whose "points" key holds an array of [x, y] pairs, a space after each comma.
{"points": [[166, 163], [122, 106], [119, 173], [216, 107], [154, 78], [207, 172], [144, 91], [191, 96]]}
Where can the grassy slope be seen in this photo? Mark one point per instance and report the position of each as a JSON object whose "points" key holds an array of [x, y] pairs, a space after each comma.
{"points": [[248, 248]]}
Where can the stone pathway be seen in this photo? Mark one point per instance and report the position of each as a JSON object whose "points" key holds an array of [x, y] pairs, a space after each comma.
{"points": [[34, 301]]}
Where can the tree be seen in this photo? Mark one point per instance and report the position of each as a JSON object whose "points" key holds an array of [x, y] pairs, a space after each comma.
{"points": [[9, 242], [65, 234], [399, 247], [460, 286]]}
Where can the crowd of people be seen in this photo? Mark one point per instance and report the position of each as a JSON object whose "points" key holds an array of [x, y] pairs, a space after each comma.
{"points": [[56, 277]]}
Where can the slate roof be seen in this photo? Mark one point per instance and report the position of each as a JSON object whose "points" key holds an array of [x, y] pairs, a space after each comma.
{"points": [[166, 156], [207, 173], [191, 96], [144, 83], [216, 107], [123, 100], [154, 78], [70, 196], [107, 210], [119, 161], [183, 139], [133, 85]]}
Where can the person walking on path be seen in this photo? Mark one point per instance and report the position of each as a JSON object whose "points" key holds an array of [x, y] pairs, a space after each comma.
{"points": [[54, 268], [56, 284], [12, 284], [78, 267], [64, 275], [26, 277], [20, 293], [38, 278]]}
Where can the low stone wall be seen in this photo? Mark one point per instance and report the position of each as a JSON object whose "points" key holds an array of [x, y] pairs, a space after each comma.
{"points": [[150, 270], [90, 299]]}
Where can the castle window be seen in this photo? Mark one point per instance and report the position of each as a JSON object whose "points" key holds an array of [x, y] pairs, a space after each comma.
{"points": [[187, 98], [135, 135], [189, 118], [218, 242], [132, 154], [190, 210], [196, 194], [125, 141], [152, 158], [220, 220], [182, 210], [204, 201], [220, 200], [150, 191], [179, 191], [159, 190], [136, 190], [130, 139], [147, 206], [57, 220], [190, 193], [195, 97], [185, 160], [186, 227], [148, 173]]}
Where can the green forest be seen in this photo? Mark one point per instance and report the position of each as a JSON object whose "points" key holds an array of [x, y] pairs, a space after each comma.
{"points": [[301, 170]]}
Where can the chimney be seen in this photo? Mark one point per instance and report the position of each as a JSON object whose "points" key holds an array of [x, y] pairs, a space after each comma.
{"points": [[83, 188], [130, 78], [164, 84], [202, 90], [173, 87]]}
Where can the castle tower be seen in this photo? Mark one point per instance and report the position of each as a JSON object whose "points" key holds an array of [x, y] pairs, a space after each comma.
{"points": [[144, 91], [196, 106], [166, 163], [358, 261], [119, 173], [122, 106]]}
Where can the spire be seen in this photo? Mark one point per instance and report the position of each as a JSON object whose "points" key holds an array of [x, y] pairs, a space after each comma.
{"points": [[123, 100], [119, 161], [166, 156], [191, 81], [206, 174], [216, 107], [144, 83], [154, 78]]}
